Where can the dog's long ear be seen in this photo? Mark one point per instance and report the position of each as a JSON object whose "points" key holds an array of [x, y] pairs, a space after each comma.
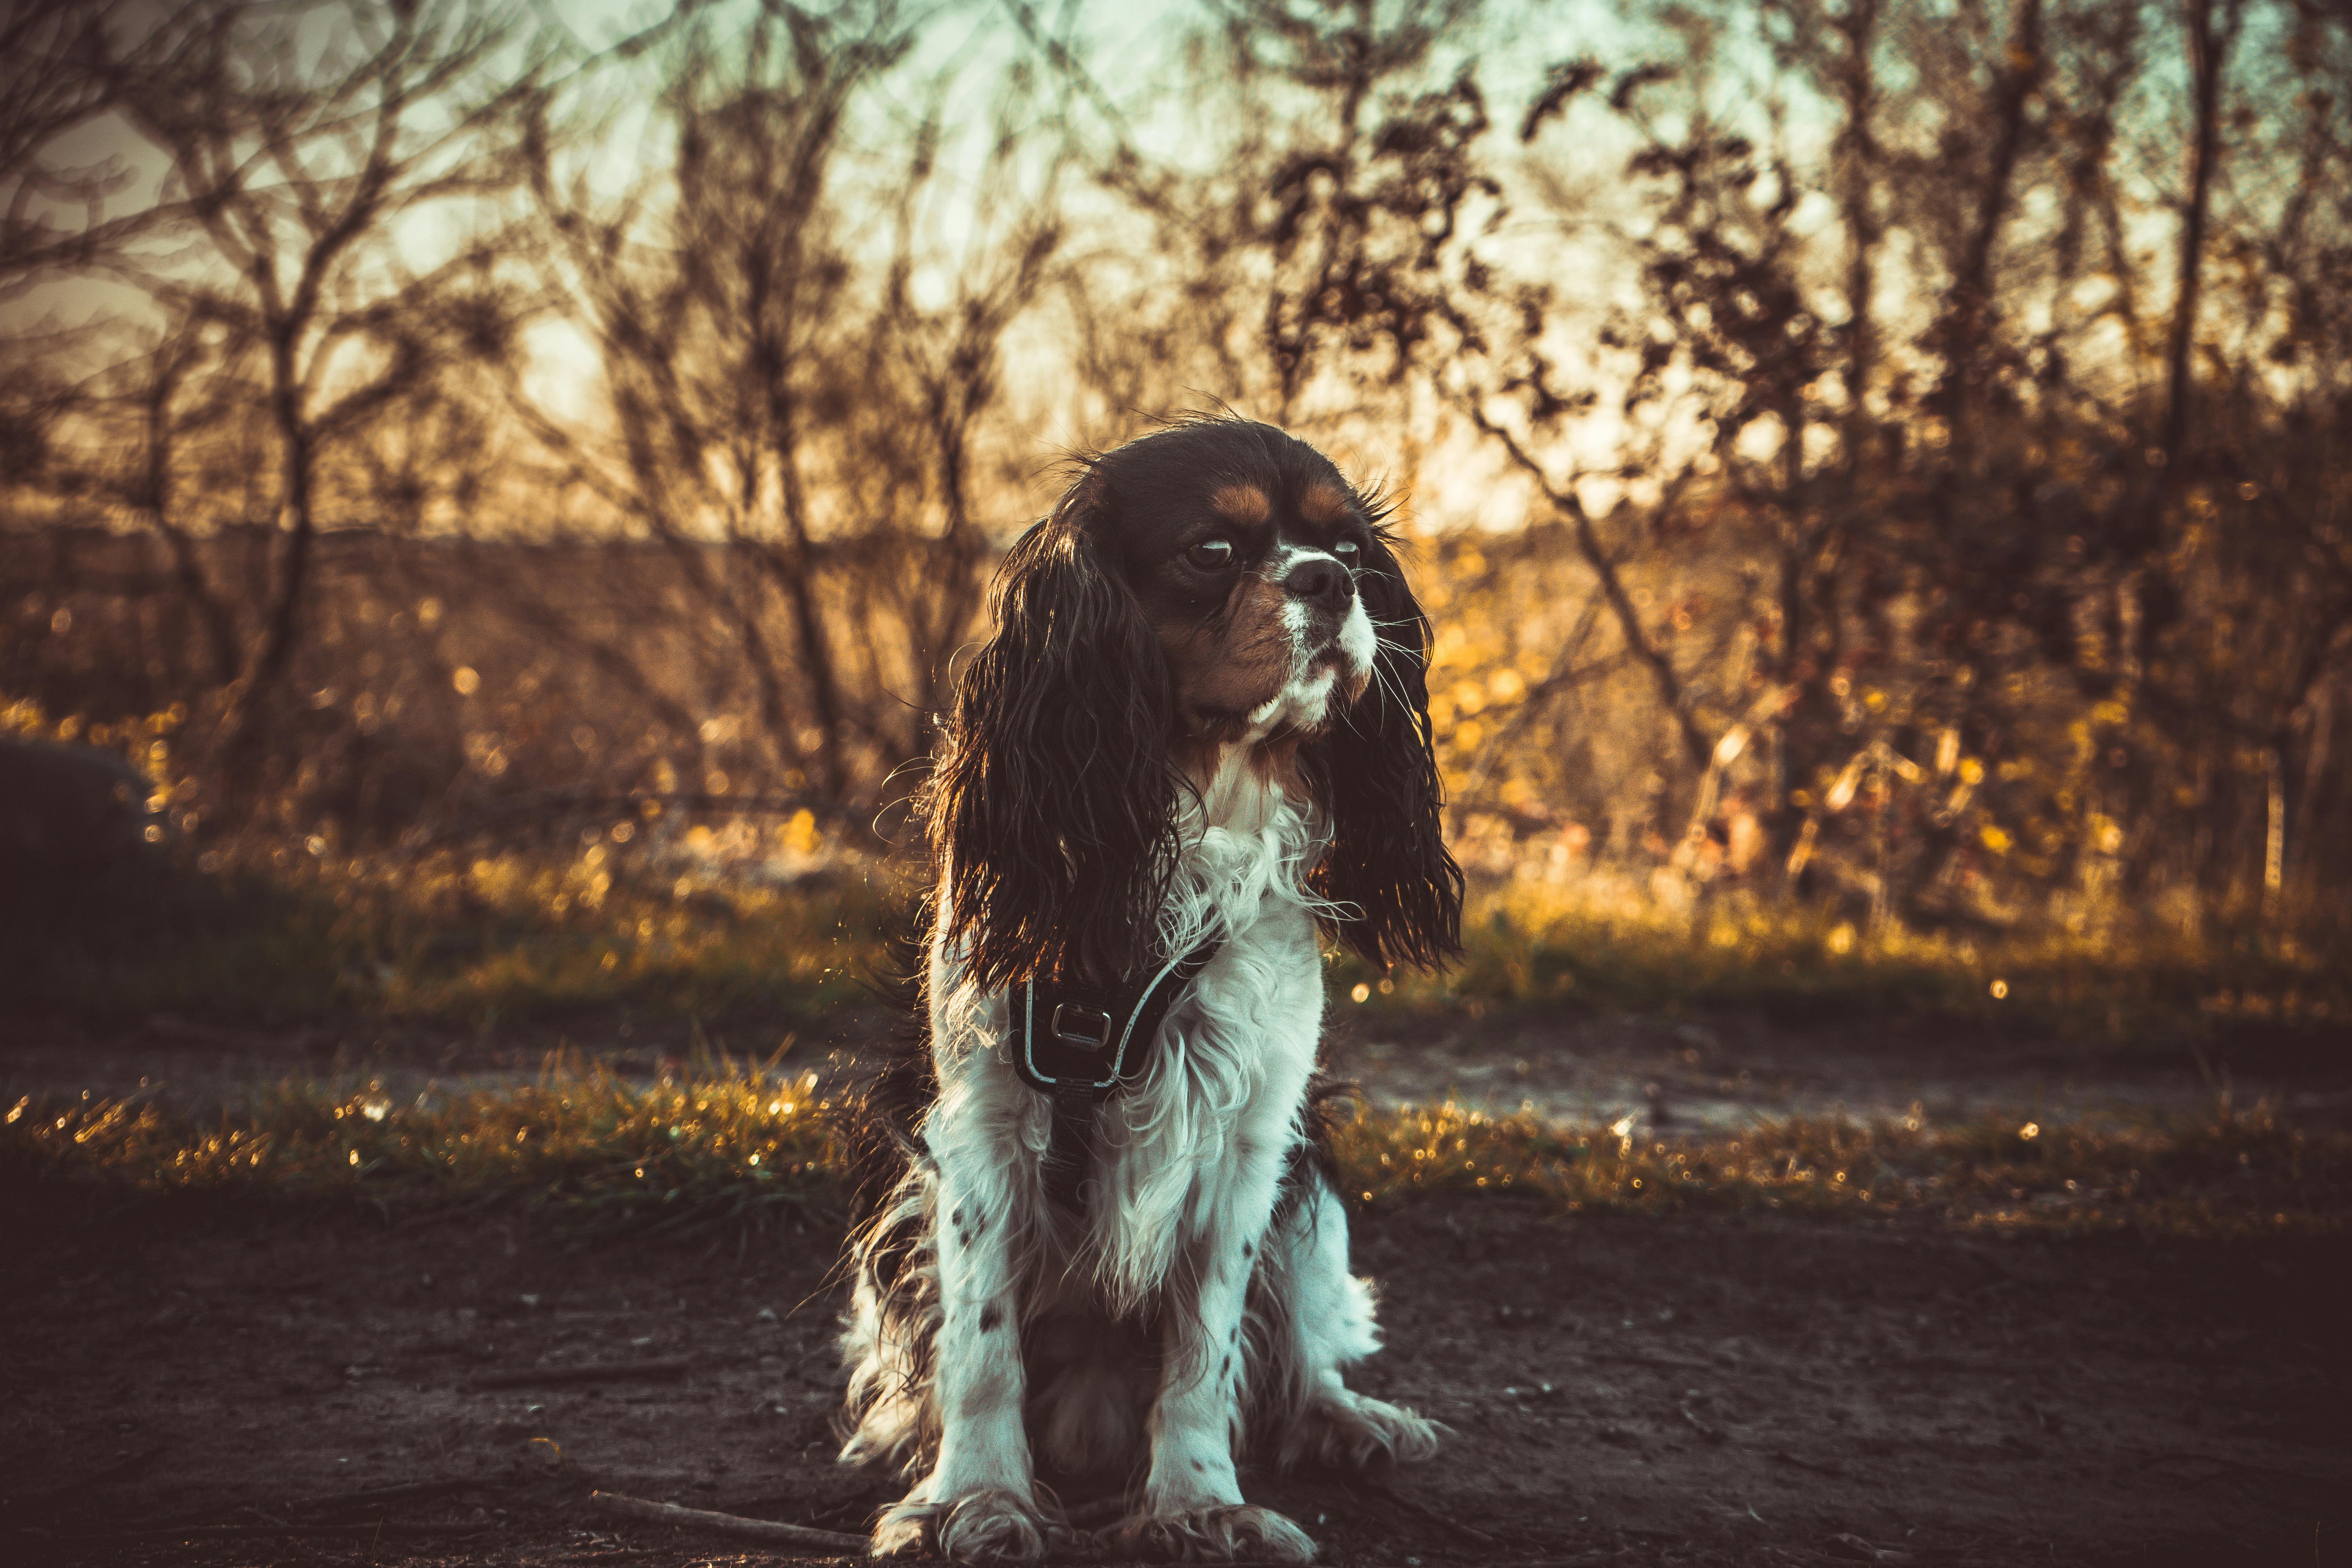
{"points": [[1053, 800], [1388, 859]]}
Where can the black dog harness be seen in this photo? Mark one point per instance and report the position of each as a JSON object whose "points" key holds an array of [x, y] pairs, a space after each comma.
{"points": [[1078, 1044]]}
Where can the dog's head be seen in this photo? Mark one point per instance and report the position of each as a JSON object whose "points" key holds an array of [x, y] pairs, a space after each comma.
{"points": [[1219, 584]]}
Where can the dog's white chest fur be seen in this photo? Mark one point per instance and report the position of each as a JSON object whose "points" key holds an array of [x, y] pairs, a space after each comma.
{"points": [[1228, 1071]]}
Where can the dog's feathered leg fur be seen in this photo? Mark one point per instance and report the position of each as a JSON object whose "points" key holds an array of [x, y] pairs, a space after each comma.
{"points": [[1191, 1498], [979, 1502], [1311, 1319]]}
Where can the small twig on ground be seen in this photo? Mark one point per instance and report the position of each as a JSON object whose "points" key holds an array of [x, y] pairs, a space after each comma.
{"points": [[603, 1371], [1710, 1433], [1816, 1465], [855, 1510], [613, 1505]]}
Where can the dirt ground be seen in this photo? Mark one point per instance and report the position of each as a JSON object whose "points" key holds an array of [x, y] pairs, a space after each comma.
{"points": [[1621, 1391], [1783, 1390]]}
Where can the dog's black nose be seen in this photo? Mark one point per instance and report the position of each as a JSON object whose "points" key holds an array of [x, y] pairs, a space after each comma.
{"points": [[1321, 582]]}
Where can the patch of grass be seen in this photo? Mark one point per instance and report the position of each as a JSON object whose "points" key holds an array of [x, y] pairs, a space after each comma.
{"points": [[1610, 950], [728, 1145], [277, 937], [2225, 1174], [731, 1143], [268, 932]]}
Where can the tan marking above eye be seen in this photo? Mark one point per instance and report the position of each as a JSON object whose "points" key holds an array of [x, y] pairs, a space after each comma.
{"points": [[1243, 504], [1323, 502]]}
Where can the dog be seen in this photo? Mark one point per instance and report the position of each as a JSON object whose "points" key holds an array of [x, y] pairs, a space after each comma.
{"points": [[1199, 735]]}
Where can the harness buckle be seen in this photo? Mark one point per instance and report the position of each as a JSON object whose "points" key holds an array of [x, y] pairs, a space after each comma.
{"points": [[1082, 1026], [1082, 1055]]}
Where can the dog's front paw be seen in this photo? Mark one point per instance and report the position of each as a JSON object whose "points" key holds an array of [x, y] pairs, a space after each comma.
{"points": [[991, 1525], [1352, 1432], [1222, 1532]]}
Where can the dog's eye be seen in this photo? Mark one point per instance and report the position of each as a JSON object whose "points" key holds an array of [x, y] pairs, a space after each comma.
{"points": [[1349, 552], [1211, 554]]}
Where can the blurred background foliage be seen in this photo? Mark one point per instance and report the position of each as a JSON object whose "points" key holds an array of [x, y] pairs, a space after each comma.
{"points": [[512, 491]]}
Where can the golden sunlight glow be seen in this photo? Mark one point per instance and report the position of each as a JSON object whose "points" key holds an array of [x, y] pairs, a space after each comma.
{"points": [[706, 1148]]}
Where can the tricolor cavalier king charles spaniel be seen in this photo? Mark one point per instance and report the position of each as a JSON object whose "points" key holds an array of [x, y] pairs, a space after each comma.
{"points": [[1201, 731]]}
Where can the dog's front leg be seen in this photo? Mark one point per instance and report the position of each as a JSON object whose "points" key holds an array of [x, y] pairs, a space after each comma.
{"points": [[1193, 1506], [979, 1503]]}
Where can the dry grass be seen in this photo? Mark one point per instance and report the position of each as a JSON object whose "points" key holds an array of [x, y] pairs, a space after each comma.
{"points": [[456, 936], [277, 935], [1604, 945], [727, 1145], [2224, 1174], [730, 1143], [655, 907]]}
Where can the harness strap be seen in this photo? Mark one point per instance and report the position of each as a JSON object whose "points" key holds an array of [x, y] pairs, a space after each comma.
{"points": [[1069, 1152], [1078, 1044]]}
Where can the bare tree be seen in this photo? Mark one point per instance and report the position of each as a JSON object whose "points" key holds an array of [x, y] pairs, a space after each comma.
{"points": [[794, 424], [1970, 506], [1315, 252], [63, 64], [1980, 380], [305, 176]]}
